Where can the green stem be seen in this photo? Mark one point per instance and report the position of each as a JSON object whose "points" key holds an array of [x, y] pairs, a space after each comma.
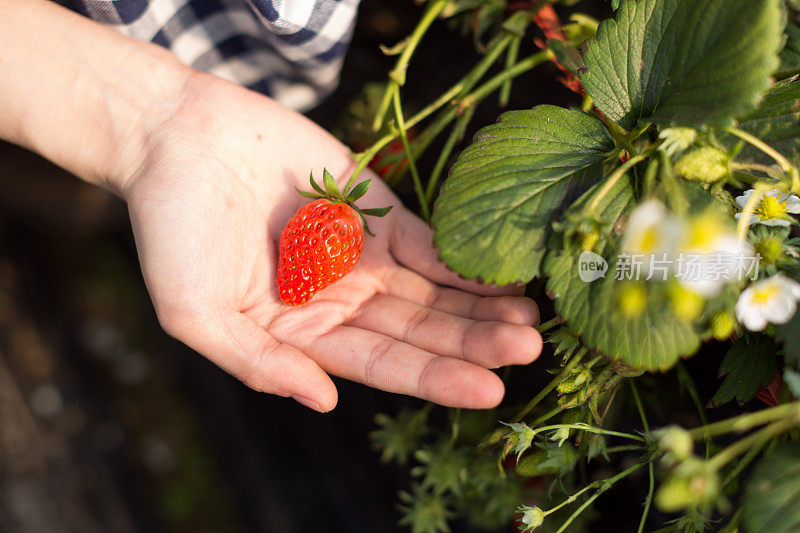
{"points": [[751, 454], [511, 58], [455, 135], [550, 324], [550, 386], [459, 89], [422, 142], [784, 163], [649, 499], [398, 113], [571, 499], [591, 429], [747, 421], [604, 486], [688, 383], [625, 448], [547, 416], [492, 84], [612, 180], [752, 166], [398, 74], [760, 437]]}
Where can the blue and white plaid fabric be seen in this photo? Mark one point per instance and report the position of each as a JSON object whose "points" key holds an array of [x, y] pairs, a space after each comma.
{"points": [[291, 50]]}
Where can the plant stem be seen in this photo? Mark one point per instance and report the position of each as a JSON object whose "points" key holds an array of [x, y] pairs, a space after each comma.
{"points": [[747, 421], [464, 85], [649, 499], [455, 135], [753, 166], [591, 429], [603, 486], [547, 416], [751, 454], [493, 83], [550, 324], [784, 163], [511, 58], [397, 76], [760, 437], [625, 448], [398, 114], [686, 379], [550, 386], [612, 180]]}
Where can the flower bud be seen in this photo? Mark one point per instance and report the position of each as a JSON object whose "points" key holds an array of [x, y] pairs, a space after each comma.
{"points": [[576, 379], [677, 441], [692, 484], [706, 165], [532, 517]]}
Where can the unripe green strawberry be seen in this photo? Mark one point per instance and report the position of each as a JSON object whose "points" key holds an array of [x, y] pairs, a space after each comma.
{"points": [[530, 465], [322, 242], [705, 164]]}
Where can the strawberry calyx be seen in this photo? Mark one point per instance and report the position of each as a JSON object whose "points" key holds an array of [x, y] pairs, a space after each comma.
{"points": [[332, 193]]}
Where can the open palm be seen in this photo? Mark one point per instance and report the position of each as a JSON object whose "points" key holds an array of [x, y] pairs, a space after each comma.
{"points": [[208, 204]]}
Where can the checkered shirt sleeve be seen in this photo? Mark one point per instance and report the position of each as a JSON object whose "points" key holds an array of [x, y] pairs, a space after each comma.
{"points": [[291, 50]]}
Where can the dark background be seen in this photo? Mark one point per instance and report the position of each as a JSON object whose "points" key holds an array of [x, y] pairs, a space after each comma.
{"points": [[106, 424]]}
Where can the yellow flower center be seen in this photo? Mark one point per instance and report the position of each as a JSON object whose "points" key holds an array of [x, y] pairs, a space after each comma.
{"points": [[770, 250], [649, 240], [763, 295], [770, 207], [703, 233]]}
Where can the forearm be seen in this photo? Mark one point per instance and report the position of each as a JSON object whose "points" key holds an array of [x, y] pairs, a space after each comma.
{"points": [[80, 94]]}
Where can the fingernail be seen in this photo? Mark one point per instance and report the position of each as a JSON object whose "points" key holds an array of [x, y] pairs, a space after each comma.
{"points": [[308, 403]]}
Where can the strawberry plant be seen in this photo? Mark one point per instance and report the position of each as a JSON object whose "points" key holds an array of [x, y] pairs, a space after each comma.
{"points": [[658, 213]]}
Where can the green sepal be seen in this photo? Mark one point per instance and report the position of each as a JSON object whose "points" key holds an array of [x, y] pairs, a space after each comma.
{"points": [[311, 195], [332, 190], [314, 184], [377, 211], [359, 191]]}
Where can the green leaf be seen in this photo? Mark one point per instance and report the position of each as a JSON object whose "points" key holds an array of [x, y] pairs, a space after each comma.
{"points": [[397, 438], [652, 341], [776, 122], [770, 502], [790, 56], [683, 62], [494, 213], [748, 366]]}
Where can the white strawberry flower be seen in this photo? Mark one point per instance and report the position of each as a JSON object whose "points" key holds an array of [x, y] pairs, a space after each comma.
{"points": [[651, 235], [772, 207], [710, 255], [771, 300]]}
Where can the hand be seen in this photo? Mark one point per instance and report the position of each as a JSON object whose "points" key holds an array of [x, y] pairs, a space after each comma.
{"points": [[208, 204]]}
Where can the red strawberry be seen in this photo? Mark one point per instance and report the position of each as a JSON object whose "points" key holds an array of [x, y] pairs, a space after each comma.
{"points": [[322, 242]]}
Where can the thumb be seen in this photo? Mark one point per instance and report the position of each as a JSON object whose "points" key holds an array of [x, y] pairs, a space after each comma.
{"points": [[241, 347]]}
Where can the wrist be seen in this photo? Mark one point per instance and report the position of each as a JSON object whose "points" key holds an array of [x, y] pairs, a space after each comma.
{"points": [[86, 97]]}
